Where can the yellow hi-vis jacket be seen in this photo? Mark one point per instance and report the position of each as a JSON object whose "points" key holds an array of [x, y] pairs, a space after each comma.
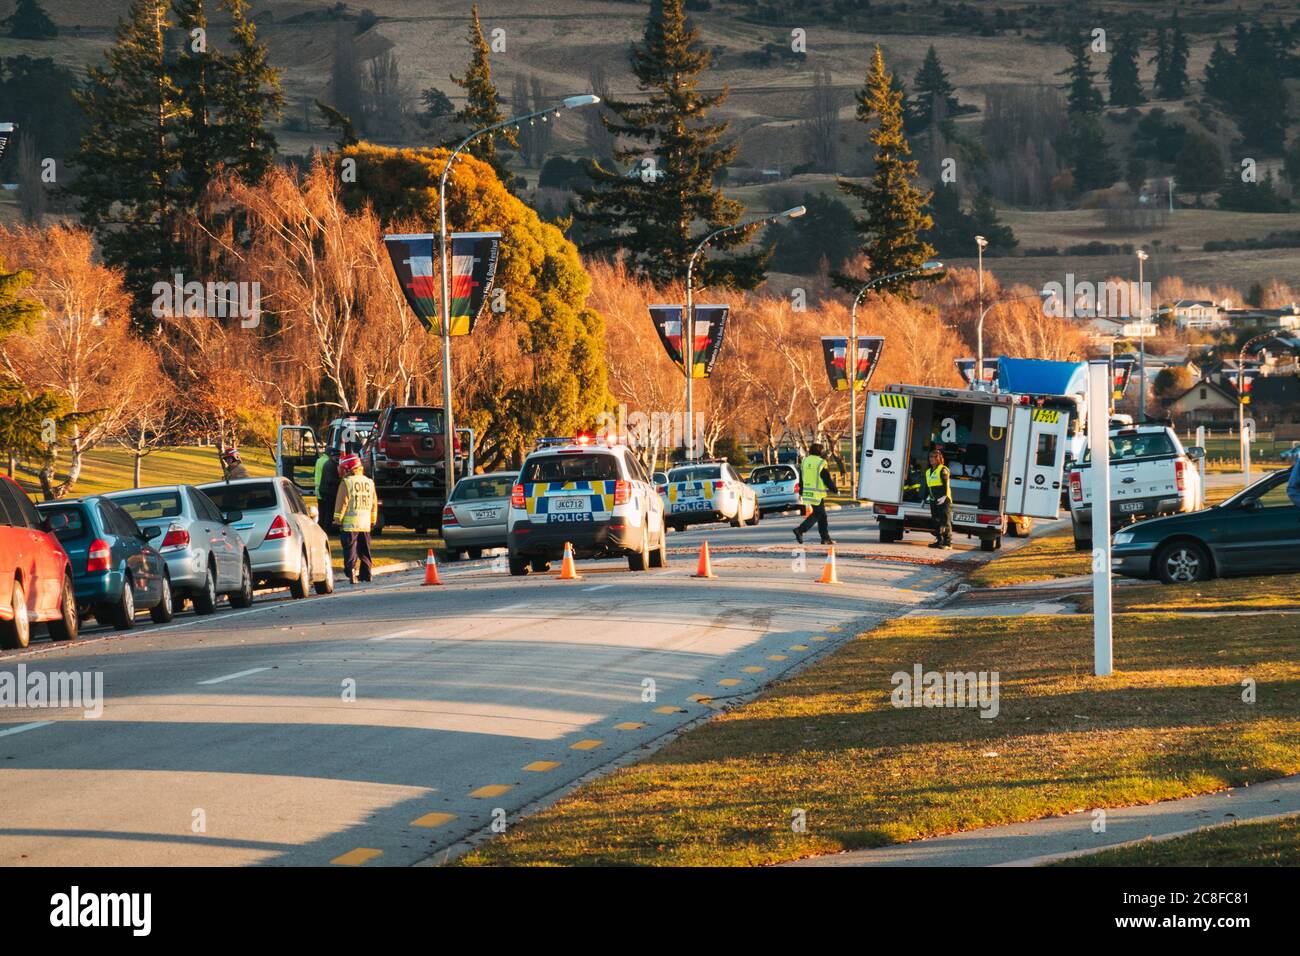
{"points": [[356, 506], [936, 479], [813, 489]]}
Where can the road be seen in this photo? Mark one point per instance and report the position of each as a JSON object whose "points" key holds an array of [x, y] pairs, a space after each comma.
{"points": [[388, 723]]}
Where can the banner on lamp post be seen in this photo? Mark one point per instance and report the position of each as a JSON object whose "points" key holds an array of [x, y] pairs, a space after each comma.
{"points": [[473, 271], [710, 325], [835, 352], [966, 368], [1121, 373]]}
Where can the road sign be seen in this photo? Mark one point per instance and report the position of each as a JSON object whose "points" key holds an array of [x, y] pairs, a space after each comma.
{"points": [[1139, 329]]}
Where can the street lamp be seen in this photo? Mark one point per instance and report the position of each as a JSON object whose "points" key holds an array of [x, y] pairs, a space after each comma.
{"points": [[1142, 342], [980, 245], [851, 363], [688, 318], [449, 453], [1242, 398]]}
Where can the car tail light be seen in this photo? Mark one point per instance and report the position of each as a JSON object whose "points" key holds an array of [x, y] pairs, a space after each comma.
{"points": [[1076, 486], [796, 487], [886, 509], [99, 556], [517, 496], [1179, 476], [663, 489], [382, 446], [622, 491], [176, 537], [449, 517], [719, 485], [988, 519], [279, 529]]}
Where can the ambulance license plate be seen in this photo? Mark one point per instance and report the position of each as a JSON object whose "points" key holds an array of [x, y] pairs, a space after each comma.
{"points": [[963, 518]]}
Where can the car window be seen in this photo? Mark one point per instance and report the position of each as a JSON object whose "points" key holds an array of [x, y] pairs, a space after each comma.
{"points": [[255, 496], [122, 523], [295, 496], [637, 469], [770, 473], [1128, 447], [68, 522], [1276, 497], [204, 509], [9, 513], [479, 489], [576, 467], [695, 473], [416, 422], [150, 505], [26, 511]]}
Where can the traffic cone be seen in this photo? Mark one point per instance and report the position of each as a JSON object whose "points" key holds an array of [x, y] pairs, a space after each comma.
{"points": [[828, 571], [568, 571], [705, 568], [430, 570]]}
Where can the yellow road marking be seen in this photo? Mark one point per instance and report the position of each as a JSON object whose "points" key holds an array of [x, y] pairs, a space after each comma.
{"points": [[753, 670], [699, 698], [776, 657], [728, 682], [586, 744], [628, 725], [541, 766], [818, 638], [492, 790], [798, 647], [835, 629], [433, 820], [668, 709], [357, 857]]}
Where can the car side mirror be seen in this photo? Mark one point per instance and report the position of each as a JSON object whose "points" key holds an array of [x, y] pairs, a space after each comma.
{"points": [[1196, 453], [313, 512], [232, 516]]}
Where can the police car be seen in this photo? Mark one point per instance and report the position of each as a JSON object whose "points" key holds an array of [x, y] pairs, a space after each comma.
{"points": [[708, 490], [591, 493]]}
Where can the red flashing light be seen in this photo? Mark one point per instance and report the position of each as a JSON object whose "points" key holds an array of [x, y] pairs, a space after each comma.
{"points": [[622, 491]]}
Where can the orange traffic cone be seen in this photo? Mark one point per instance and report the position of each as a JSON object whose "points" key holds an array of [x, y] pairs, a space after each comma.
{"points": [[568, 571], [828, 572], [705, 568], [430, 570]]}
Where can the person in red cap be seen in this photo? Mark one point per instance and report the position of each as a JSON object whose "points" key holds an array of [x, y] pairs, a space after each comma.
{"points": [[356, 508], [232, 466]]}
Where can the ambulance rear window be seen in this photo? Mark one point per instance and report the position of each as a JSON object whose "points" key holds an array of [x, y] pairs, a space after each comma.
{"points": [[886, 434], [569, 467]]}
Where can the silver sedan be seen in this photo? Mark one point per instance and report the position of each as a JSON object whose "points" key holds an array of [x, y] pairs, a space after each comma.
{"points": [[475, 516]]}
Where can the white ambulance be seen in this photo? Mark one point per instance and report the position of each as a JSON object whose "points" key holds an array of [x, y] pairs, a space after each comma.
{"points": [[1005, 452]]}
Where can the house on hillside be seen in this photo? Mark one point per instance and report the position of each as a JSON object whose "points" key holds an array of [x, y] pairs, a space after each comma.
{"points": [[1205, 403], [1199, 314]]}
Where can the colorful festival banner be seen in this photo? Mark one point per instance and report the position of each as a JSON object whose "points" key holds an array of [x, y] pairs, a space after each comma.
{"points": [[1230, 376], [710, 324], [1121, 372], [835, 351], [966, 367], [473, 270]]}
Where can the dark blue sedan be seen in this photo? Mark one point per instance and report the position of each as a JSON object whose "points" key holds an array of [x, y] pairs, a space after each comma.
{"points": [[114, 570]]}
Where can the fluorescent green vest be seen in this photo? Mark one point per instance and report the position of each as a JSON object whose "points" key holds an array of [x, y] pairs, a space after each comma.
{"points": [[814, 492], [937, 481]]}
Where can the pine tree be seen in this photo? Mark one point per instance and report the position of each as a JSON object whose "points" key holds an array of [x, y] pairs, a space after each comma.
{"points": [[22, 412], [1162, 63], [1089, 155], [895, 208], [482, 104], [1176, 85], [931, 84], [247, 95], [29, 21], [1084, 97], [1122, 73], [985, 221], [650, 211]]}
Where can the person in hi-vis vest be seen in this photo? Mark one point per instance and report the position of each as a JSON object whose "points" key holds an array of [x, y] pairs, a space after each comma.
{"points": [[814, 481], [356, 508], [938, 491]]}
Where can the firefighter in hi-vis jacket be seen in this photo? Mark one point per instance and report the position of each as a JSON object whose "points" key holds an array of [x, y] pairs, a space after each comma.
{"points": [[356, 509], [939, 493]]}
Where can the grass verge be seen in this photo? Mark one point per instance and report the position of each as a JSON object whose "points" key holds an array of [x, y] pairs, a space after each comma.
{"points": [[1169, 723], [1266, 843], [1258, 593]]}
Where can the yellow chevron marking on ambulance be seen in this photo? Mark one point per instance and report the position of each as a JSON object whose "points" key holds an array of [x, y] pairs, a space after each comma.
{"points": [[1049, 415], [893, 401]]}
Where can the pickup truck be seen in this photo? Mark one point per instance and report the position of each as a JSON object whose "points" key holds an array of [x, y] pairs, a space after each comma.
{"points": [[1150, 474]]}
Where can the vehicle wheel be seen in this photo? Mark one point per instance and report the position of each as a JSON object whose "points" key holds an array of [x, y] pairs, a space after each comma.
{"points": [[890, 534], [299, 586], [205, 600], [541, 565], [18, 632], [1183, 562], [163, 611], [659, 556], [1082, 544], [326, 584], [244, 596], [474, 553], [736, 522], [640, 560], [124, 611], [69, 623], [518, 567], [758, 516], [989, 544]]}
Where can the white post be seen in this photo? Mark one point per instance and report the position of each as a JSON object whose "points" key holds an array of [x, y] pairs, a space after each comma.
{"points": [[1099, 394], [1200, 441]]}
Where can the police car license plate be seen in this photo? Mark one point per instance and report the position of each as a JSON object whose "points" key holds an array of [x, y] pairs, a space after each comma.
{"points": [[688, 493], [569, 505]]}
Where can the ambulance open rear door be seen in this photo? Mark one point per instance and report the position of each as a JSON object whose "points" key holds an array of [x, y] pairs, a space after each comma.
{"points": [[1038, 443], [884, 448]]}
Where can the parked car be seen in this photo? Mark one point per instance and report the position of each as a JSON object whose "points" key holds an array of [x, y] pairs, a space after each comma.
{"points": [[475, 516], [1150, 474], [1256, 531], [285, 544], [777, 487], [115, 571], [205, 556], [404, 455], [708, 490], [35, 576]]}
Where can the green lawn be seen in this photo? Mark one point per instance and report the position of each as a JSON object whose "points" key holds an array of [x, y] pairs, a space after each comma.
{"points": [[1169, 723], [1267, 843]]}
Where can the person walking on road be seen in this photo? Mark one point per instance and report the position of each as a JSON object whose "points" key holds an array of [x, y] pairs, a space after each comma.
{"points": [[939, 493], [356, 508], [232, 466], [1293, 486], [814, 481]]}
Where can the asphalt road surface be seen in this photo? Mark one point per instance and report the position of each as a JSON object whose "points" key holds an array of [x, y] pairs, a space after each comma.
{"points": [[389, 723]]}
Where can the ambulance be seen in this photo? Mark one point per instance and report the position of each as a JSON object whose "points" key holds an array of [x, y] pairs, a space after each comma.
{"points": [[1005, 452]]}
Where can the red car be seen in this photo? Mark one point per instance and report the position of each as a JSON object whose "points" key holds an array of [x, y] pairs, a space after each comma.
{"points": [[35, 580]]}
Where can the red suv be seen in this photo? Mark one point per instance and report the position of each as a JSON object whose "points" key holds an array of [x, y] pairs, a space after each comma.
{"points": [[35, 580], [404, 457]]}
